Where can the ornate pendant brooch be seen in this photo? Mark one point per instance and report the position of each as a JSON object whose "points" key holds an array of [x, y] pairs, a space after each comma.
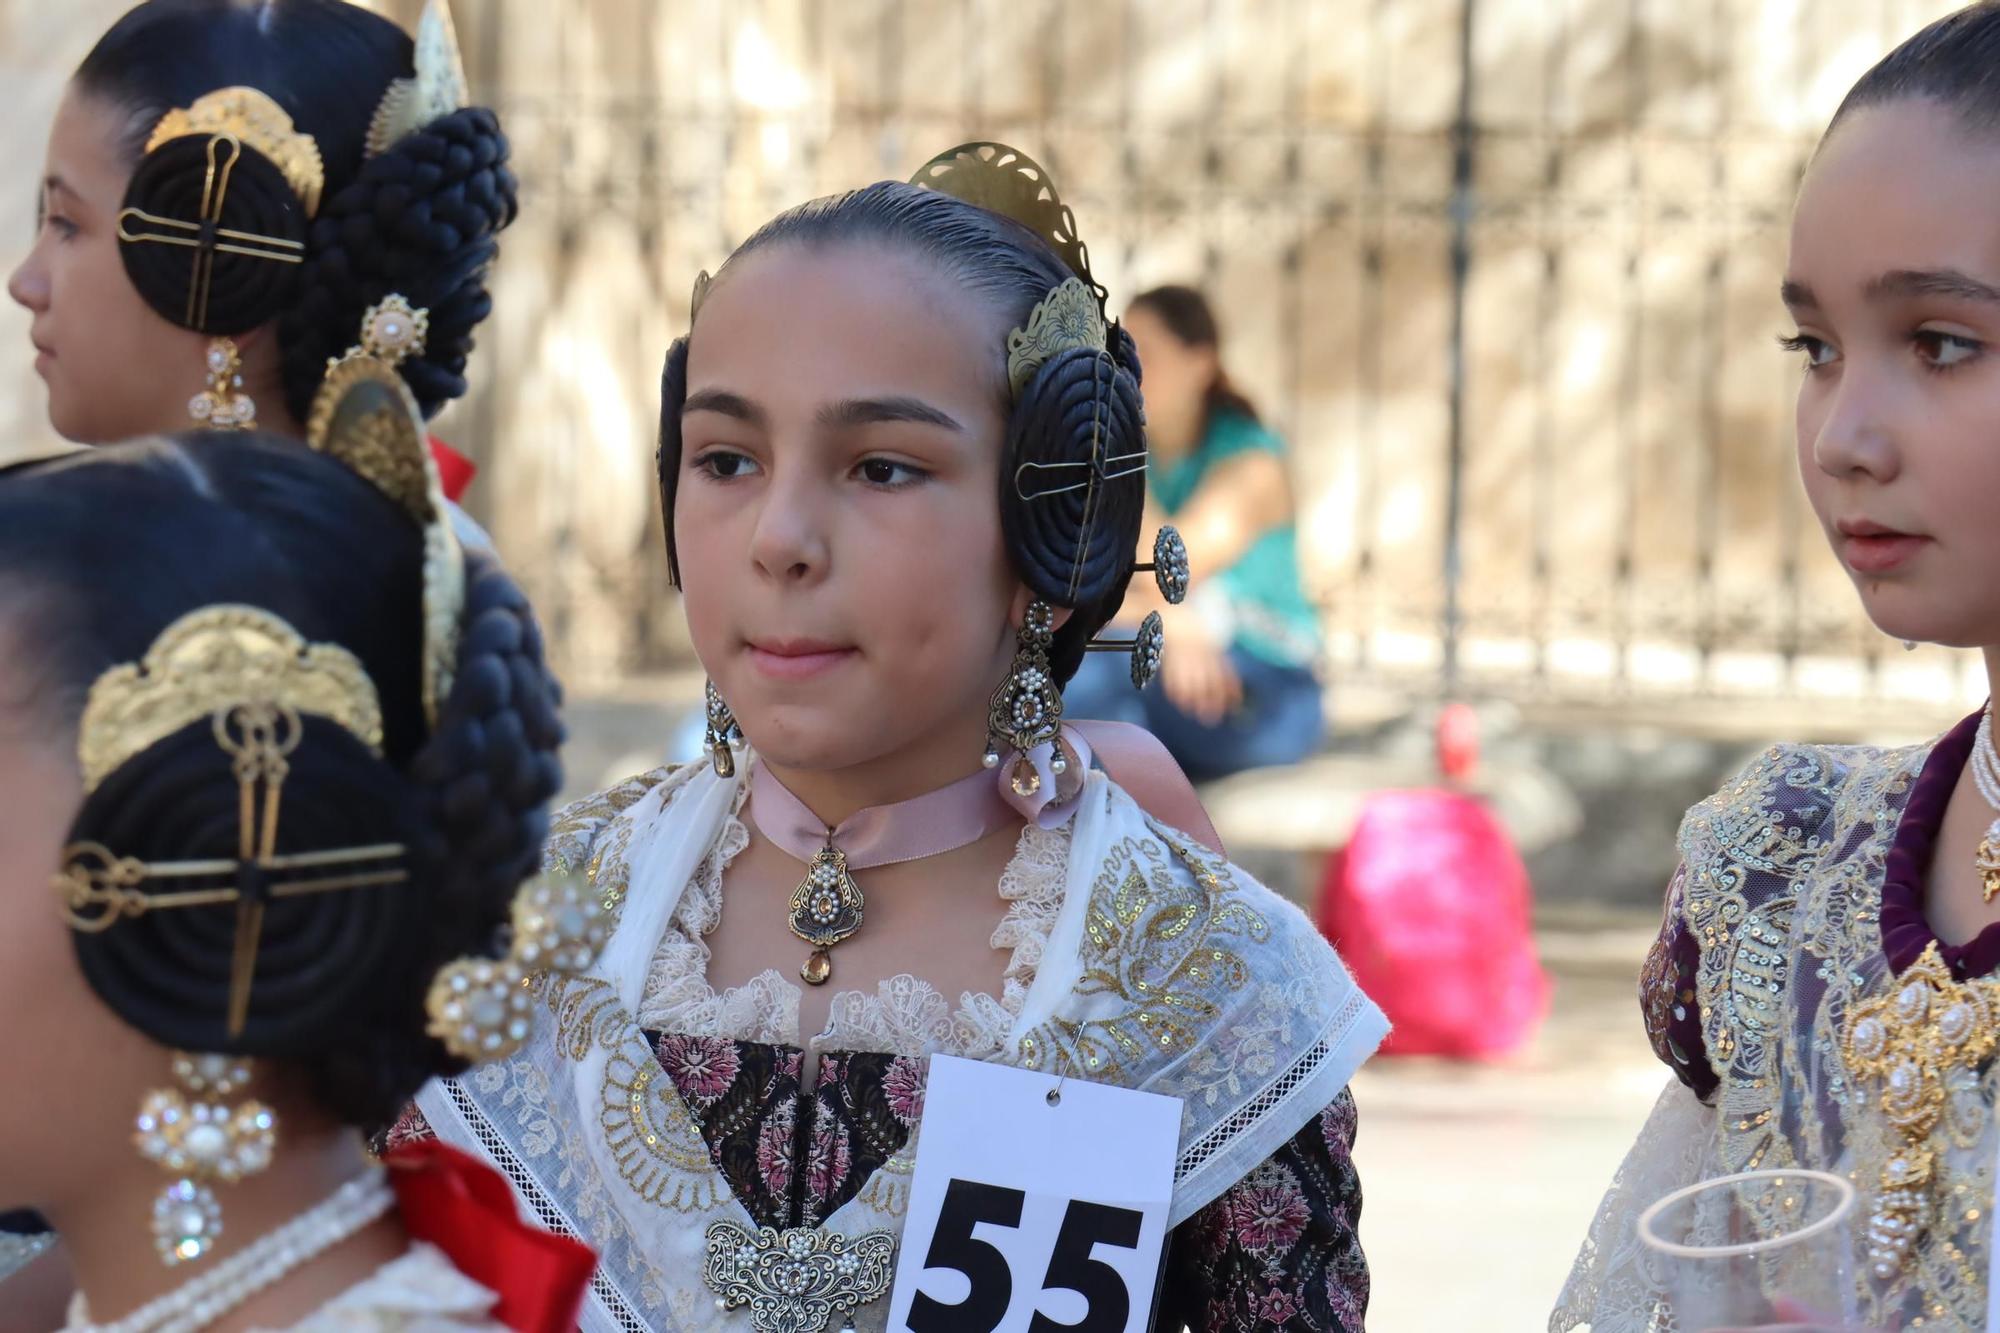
{"points": [[826, 909], [1912, 1042], [796, 1281]]}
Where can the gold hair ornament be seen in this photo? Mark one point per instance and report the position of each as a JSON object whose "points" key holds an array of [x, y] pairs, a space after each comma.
{"points": [[480, 1008], [252, 118], [209, 661], [253, 676], [365, 415], [1068, 317], [205, 236], [437, 89], [1005, 180]]}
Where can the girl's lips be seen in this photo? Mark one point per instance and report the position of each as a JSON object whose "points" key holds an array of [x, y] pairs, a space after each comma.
{"points": [[1879, 552], [796, 661]]}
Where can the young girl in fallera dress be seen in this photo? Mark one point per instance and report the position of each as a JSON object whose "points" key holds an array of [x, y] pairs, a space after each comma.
{"points": [[356, 170], [277, 760], [1824, 984], [863, 379]]}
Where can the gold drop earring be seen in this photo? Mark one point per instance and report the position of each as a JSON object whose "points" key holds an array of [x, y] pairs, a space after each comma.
{"points": [[223, 405]]}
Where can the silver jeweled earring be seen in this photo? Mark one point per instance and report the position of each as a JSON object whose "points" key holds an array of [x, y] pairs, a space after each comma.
{"points": [[1027, 709], [723, 734]]}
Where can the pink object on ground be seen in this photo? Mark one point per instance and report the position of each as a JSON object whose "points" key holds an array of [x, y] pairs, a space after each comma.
{"points": [[1430, 906]]}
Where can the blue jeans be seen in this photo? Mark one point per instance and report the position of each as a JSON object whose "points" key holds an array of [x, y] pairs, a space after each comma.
{"points": [[1278, 722]]}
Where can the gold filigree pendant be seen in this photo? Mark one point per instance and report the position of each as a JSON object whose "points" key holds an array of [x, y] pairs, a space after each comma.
{"points": [[796, 1281], [826, 909], [1909, 1041], [1989, 863]]}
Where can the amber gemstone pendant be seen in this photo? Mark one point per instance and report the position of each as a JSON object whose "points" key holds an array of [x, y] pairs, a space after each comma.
{"points": [[826, 909]]}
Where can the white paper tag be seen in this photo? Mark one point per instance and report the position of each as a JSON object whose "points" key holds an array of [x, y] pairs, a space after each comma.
{"points": [[1030, 1213]]}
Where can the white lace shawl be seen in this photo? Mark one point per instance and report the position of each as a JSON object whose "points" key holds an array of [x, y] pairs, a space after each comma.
{"points": [[1154, 965]]}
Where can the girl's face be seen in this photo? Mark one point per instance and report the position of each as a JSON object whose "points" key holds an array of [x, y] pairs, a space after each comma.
{"points": [[1894, 279], [115, 369], [86, 1068], [846, 582]]}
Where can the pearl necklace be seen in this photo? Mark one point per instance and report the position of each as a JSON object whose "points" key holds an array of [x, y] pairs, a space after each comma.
{"points": [[195, 1304], [1986, 775]]}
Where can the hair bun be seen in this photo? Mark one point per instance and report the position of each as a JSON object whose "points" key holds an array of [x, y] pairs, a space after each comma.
{"points": [[1065, 527], [168, 972], [420, 220], [243, 290]]}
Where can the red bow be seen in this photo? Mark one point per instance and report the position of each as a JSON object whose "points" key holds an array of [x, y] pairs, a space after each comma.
{"points": [[455, 470], [466, 1209]]}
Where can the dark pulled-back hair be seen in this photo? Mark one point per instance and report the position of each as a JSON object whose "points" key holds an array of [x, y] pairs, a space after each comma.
{"points": [[1073, 549], [100, 552], [1954, 61], [1190, 318], [419, 219]]}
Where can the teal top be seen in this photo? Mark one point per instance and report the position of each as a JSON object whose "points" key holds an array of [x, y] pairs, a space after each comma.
{"points": [[1269, 615]]}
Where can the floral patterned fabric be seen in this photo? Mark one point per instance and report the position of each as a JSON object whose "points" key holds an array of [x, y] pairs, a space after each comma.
{"points": [[1282, 1249]]}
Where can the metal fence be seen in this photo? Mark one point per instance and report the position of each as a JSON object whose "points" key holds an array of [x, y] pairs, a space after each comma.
{"points": [[1503, 271]]}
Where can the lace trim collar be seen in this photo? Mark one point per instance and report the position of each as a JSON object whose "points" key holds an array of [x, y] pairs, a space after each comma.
{"points": [[905, 1015]]}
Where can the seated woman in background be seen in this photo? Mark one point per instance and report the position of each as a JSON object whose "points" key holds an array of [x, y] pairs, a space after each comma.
{"points": [[1238, 690]]}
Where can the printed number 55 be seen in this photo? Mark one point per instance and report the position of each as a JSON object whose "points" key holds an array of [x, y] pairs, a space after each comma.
{"points": [[967, 1203]]}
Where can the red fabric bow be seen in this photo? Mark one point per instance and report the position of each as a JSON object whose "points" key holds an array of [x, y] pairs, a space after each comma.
{"points": [[466, 1209], [455, 470]]}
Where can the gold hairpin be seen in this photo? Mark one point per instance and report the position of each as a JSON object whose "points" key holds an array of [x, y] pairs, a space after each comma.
{"points": [[252, 118], [254, 676], [365, 415], [205, 236], [438, 87], [210, 660]]}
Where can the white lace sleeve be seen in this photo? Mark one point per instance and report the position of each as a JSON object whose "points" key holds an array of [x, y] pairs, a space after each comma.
{"points": [[1610, 1289]]}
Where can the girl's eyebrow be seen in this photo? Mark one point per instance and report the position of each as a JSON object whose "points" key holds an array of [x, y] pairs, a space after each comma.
{"points": [[725, 403], [868, 411], [1947, 282]]}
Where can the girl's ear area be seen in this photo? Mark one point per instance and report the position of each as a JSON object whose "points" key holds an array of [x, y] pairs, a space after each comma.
{"points": [[1018, 612]]}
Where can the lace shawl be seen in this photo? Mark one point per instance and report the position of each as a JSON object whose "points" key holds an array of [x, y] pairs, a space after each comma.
{"points": [[1781, 888], [1163, 968]]}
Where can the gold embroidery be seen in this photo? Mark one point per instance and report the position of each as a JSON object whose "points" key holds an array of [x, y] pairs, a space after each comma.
{"points": [[1910, 1042], [657, 1146], [1159, 943]]}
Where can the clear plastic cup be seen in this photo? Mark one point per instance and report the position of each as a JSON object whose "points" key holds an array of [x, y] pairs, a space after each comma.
{"points": [[1754, 1249]]}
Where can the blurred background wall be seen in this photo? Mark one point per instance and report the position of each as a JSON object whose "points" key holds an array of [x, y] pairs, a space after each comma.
{"points": [[1503, 271]]}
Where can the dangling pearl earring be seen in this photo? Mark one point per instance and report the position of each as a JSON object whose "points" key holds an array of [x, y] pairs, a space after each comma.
{"points": [[223, 405]]}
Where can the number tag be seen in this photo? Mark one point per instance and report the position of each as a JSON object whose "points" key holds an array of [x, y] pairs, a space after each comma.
{"points": [[1039, 1205]]}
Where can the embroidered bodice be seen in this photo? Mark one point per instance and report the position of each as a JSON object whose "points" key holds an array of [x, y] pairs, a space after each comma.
{"points": [[644, 1116], [1799, 899]]}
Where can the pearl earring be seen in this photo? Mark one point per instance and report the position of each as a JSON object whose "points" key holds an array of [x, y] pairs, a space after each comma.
{"points": [[223, 405], [201, 1141]]}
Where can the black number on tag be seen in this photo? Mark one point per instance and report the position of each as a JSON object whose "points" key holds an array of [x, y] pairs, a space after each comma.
{"points": [[1107, 1304], [967, 1203]]}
